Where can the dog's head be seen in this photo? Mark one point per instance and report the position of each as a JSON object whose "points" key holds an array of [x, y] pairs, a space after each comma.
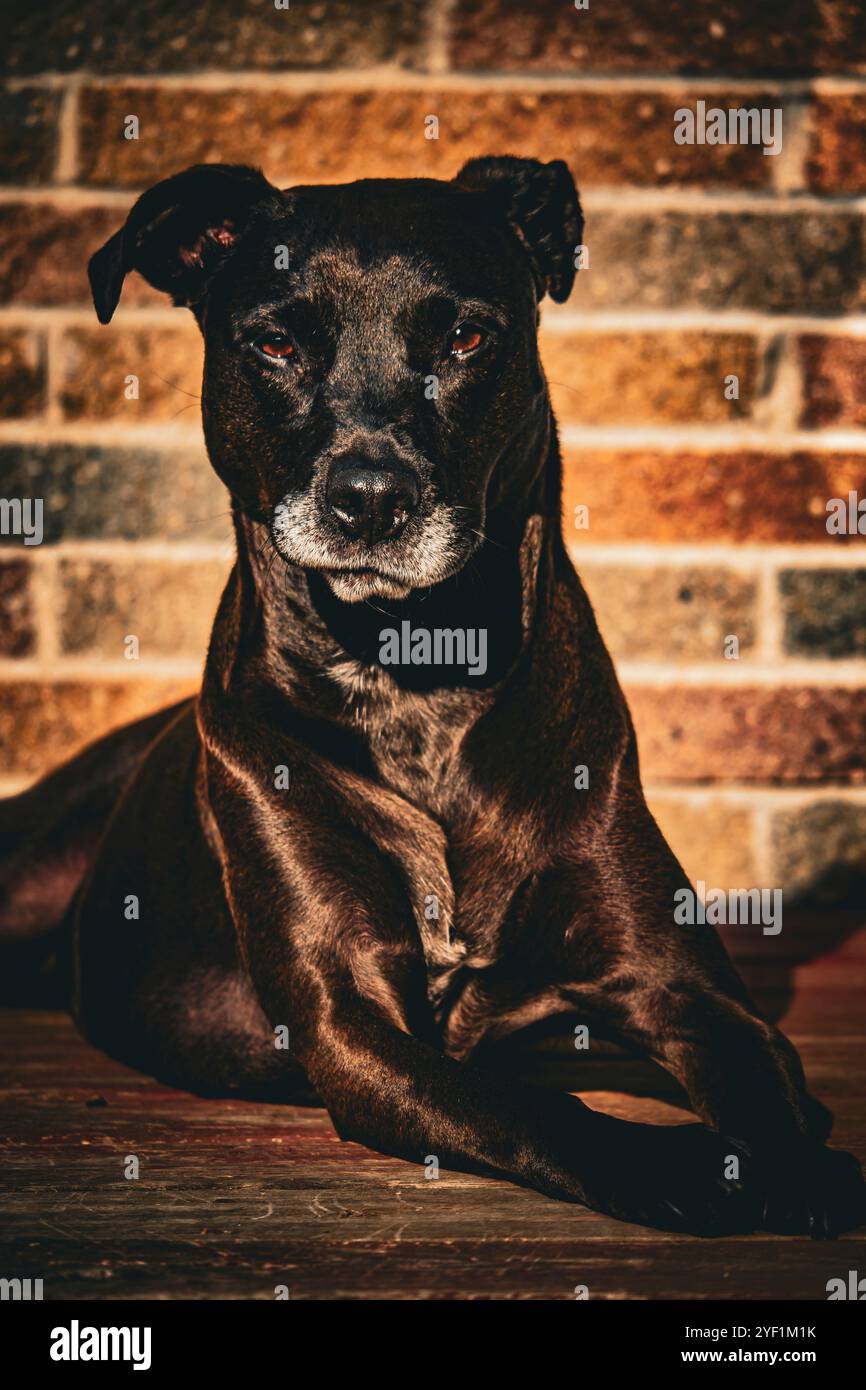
{"points": [[370, 349]]}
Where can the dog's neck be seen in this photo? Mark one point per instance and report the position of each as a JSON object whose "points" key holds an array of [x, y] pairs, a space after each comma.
{"points": [[288, 619]]}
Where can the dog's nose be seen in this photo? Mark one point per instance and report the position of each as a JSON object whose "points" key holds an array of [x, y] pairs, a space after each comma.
{"points": [[372, 502]]}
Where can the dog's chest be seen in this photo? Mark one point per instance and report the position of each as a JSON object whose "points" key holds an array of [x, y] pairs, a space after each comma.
{"points": [[435, 824], [413, 738]]}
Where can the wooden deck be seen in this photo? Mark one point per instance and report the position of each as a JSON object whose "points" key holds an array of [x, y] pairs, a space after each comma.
{"points": [[234, 1199]]}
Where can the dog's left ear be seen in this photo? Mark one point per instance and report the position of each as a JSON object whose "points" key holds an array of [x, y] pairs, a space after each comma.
{"points": [[540, 203], [179, 233]]}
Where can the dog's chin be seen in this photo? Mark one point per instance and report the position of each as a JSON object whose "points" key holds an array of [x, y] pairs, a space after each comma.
{"points": [[355, 586]]}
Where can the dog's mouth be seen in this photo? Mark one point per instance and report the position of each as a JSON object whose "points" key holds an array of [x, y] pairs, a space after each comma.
{"points": [[356, 585]]}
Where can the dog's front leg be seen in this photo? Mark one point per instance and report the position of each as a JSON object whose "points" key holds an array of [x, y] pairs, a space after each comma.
{"points": [[681, 1000], [743, 1076]]}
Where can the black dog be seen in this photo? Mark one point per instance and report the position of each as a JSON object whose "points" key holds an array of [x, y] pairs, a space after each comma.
{"points": [[391, 858]]}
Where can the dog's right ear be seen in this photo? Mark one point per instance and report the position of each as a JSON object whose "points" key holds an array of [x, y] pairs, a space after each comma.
{"points": [[540, 203], [179, 233]]}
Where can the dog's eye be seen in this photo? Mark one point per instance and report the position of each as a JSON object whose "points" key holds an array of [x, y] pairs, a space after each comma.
{"points": [[276, 345], [466, 338]]}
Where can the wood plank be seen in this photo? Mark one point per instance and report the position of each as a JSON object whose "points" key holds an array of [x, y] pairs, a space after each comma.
{"points": [[234, 1198]]}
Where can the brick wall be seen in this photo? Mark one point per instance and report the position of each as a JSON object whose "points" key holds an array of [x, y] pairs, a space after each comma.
{"points": [[706, 515]]}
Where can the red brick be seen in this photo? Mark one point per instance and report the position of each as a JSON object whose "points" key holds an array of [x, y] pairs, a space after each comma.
{"points": [[168, 606], [821, 846], [823, 611], [837, 157], [44, 250], [733, 496], [167, 362], [712, 839], [732, 36], [110, 36], [96, 491], [671, 613], [608, 138], [22, 373], [750, 734], [28, 134], [41, 723], [834, 369], [627, 378], [807, 261], [17, 634]]}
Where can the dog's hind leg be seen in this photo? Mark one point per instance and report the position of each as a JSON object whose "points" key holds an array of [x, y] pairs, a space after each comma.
{"points": [[48, 836]]}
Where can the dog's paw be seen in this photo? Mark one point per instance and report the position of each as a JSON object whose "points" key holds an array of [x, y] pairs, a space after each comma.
{"points": [[810, 1190], [683, 1178]]}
